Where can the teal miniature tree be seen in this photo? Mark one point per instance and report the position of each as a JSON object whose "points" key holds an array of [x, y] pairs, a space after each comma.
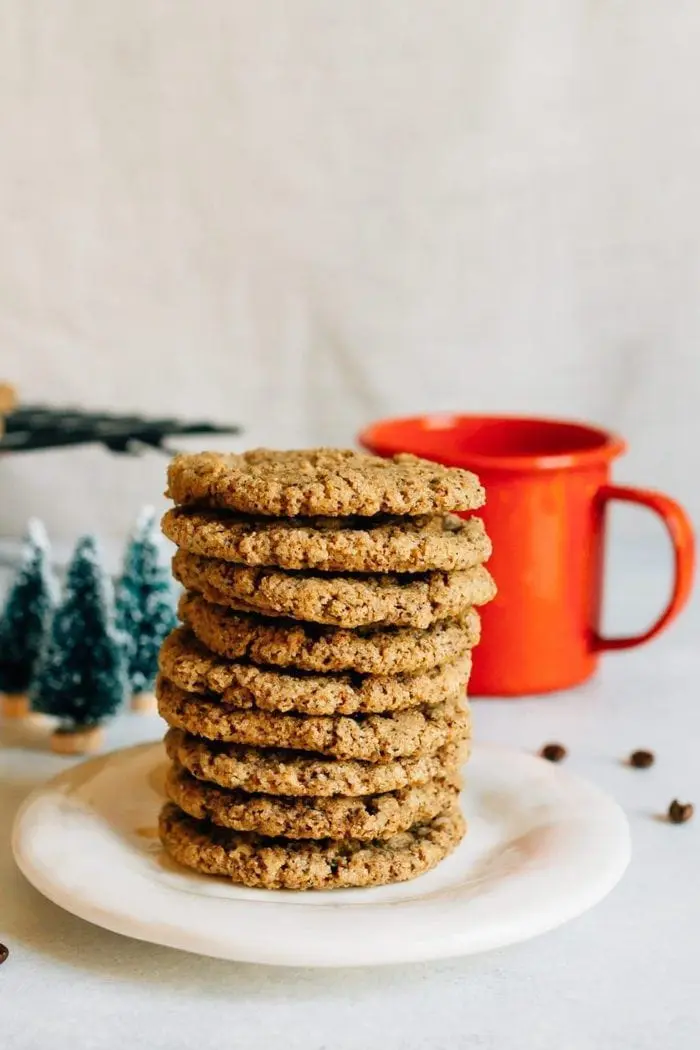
{"points": [[81, 675], [145, 606], [24, 620]]}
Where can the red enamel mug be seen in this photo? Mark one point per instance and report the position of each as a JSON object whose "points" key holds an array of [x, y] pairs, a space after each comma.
{"points": [[547, 488]]}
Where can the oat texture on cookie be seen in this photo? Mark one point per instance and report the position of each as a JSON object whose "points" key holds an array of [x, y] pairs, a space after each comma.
{"points": [[315, 691], [320, 481]]}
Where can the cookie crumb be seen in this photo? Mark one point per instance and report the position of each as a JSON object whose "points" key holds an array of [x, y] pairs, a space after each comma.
{"points": [[642, 759], [553, 752], [680, 812], [4, 952]]}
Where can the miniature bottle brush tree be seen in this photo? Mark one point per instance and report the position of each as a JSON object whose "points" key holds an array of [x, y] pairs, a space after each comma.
{"points": [[30, 602], [145, 608], [81, 675]]}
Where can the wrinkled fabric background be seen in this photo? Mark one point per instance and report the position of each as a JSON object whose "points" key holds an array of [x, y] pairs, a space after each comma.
{"points": [[303, 216]]}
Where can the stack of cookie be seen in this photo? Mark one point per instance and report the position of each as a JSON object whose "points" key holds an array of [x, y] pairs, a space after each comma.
{"points": [[316, 691]]}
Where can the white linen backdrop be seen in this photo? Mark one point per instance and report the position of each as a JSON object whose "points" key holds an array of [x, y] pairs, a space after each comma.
{"points": [[305, 215]]}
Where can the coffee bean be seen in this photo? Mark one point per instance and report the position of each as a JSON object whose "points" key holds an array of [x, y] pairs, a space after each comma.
{"points": [[4, 952], [680, 812], [553, 752], [642, 759]]}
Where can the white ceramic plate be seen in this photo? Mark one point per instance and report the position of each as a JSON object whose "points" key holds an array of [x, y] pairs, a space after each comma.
{"points": [[543, 846]]}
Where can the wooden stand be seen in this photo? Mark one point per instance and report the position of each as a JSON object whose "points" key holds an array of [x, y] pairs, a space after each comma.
{"points": [[14, 705], [81, 740], [144, 703], [8, 398]]}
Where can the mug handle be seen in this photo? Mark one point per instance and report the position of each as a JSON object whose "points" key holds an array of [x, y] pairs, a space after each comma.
{"points": [[680, 531]]}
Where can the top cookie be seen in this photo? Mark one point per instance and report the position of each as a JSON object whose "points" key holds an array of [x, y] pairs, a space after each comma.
{"points": [[311, 482]]}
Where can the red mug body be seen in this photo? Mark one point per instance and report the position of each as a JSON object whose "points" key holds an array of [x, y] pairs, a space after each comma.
{"points": [[547, 487]]}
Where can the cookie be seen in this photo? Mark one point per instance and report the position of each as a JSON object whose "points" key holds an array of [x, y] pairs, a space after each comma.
{"points": [[320, 481], [317, 647], [342, 601], [372, 738], [364, 817], [186, 662], [289, 864], [274, 771], [380, 544]]}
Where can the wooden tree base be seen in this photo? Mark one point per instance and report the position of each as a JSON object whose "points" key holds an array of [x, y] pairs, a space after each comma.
{"points": [[14, 705], [144, 703], [81, 740]]}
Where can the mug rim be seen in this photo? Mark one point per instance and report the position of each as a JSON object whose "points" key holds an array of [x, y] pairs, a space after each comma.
{"points": [[377, 437]]}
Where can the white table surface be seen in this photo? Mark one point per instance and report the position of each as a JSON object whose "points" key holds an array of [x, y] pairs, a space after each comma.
{"points": [[626, 975]]}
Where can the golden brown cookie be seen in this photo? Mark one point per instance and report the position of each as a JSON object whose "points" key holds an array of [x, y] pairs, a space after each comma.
{"points": [[379, 544], [274, 771], [318, 647], [340, 600], [320, 481], [290, 864], [186, 662], [372, 738], [363, 817]]}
